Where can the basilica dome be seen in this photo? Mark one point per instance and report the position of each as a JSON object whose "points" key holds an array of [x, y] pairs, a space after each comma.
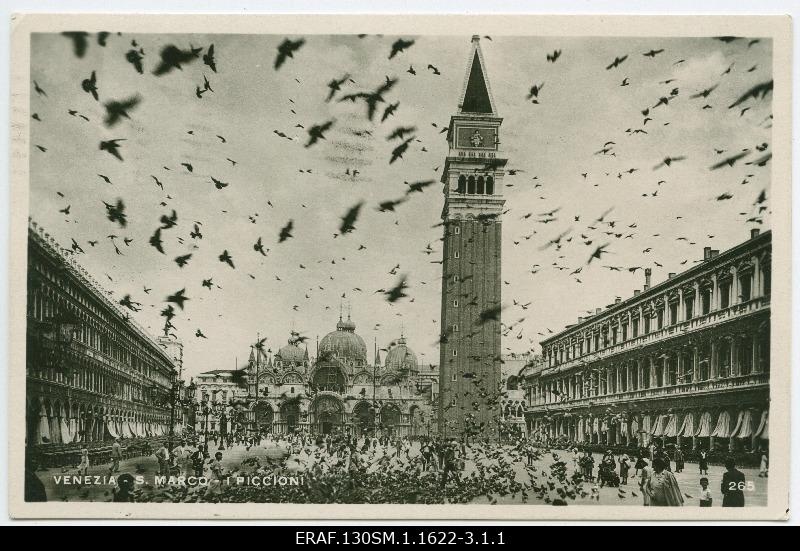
{"points": [[291, 353], [344, 344], [401, 357]]}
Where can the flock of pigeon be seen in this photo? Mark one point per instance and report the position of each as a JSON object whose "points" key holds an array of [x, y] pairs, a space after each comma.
{"points": [[586, 238]]}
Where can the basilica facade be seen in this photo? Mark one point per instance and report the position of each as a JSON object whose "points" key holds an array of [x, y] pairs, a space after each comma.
{"points": [[337, 390]]}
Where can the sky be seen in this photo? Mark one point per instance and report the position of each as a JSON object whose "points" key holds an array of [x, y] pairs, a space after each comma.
{"points": [[671, 212]]}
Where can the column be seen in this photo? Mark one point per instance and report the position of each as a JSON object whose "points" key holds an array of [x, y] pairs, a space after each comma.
{"points": [[756, 362], [653, 379], [714, 293], [735, 286], [681, 307], [713, 367], [734, 356], [756, 290], [695, 364]]}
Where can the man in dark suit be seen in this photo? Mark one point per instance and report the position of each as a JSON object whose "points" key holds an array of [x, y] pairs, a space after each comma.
{"points": [[733, 485]]}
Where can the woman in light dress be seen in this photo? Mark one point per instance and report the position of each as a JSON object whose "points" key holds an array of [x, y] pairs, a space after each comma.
{"points": [[662, 487]]}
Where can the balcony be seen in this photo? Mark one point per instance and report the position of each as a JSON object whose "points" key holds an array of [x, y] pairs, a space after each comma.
{"points": [[712, 386], [716, 317]]}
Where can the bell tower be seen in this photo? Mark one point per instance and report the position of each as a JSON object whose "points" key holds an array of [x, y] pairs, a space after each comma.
{"points": [[469, 353]]}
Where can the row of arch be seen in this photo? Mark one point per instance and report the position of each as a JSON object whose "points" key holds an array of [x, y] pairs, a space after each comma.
{"points": [[64, 422], [327, 414], [471, 185]]}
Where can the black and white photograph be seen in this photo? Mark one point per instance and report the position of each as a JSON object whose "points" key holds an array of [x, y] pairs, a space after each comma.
{"points": [[477, 267]]}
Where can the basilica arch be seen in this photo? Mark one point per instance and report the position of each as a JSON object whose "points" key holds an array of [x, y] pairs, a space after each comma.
{"points": [[328, 414], [329, 377], [364, 418], [390, 419], [264, 416]]}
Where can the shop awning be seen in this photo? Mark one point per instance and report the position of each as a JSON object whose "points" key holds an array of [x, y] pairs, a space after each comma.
{"points": [[745, 428], [723, 429], [671, 428], [704, 426], [763, 426], [112, 430], [44, 429], [687, 428], [658, 426]]}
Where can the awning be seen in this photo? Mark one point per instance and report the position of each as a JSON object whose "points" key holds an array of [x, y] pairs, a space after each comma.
{"points": [[763, 426], [579, 431], [687, 429], [704, 426], [738, 425], [112, 430], [746, 428], [671, 430], [723, 429], [44, 429], [596, 425], [635, 427], [658, 426]]}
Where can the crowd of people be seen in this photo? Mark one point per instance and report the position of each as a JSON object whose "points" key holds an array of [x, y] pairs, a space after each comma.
{"points": [[654, 475]]}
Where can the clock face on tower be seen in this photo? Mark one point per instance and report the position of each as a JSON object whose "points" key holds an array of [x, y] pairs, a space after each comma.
{"points": [[476, 137]]}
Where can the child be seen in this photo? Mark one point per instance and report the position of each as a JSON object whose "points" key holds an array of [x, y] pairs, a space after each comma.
{"points": [[83, 467], [705, 493]]}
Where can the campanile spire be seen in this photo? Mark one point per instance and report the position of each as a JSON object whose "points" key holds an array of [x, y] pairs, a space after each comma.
{"points": [[469, 353]]}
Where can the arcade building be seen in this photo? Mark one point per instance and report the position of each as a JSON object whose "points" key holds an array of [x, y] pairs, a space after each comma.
{"points": [[685, 362]]}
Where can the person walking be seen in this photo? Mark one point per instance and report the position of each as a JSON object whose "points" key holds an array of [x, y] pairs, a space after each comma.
{"points": [[162, 456], [703, 462], [644, 480], [624, 467], [763, 471], [679, 460], [83, 466], [662, 487], [116, 456], [639, 465], [733, 485]]}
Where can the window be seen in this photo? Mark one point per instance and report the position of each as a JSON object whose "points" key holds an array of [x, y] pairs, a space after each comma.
{"points": [[745, 287], [455, 352], [766, 274], [725, 294], [673, 313], [455, 278], [624, 332], [457, 230], [705, 300], [455, 328], [689, 306], [489, 186], [455, 303], [471, 185], [454, 377], [660, 318], [462, 184], [646, 325], [481, 185], [456, 254]]}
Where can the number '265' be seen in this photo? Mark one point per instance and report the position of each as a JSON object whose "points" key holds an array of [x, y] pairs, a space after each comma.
{"points": [[741, 486]]}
